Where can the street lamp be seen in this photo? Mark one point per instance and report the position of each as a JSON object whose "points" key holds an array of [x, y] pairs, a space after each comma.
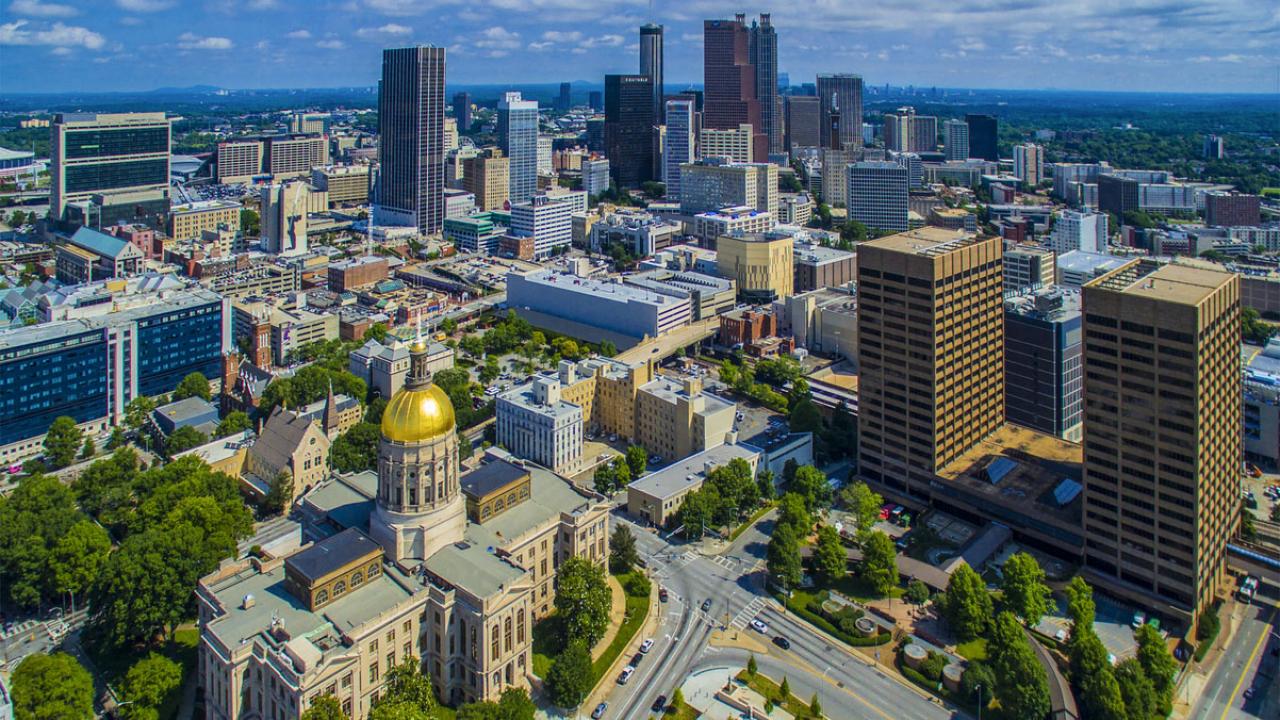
{"points": [[979, 701]]}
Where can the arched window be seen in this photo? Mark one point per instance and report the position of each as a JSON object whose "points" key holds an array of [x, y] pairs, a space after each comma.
{"points": [[356, 578], [339, 588], [374, 570], [322, 597], [511, 499]]}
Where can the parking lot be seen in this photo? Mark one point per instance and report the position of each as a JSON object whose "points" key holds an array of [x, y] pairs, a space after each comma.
{"points": [[1112, 622]]}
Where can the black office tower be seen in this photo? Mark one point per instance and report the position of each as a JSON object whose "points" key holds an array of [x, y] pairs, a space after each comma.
{"points": [[411, 138], [982, 137], [840, 110], [462, 110], [651, 66], [564, 101], [762, 48], [595, 99], [1117, 195], [628, 128]]}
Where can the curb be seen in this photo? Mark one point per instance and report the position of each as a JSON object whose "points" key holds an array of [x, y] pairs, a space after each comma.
{"points": [[596, 695]]}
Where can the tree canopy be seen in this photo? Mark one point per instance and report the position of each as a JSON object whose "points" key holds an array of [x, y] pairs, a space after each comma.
{"points": [[52, 687], [1025, 592], [61, 443], [879, 566], [1021, 686], [148, 683], [622, 550], [570, 677], [193, 385], [356, 449], [582, 600], [968, 607], [829, 560]]}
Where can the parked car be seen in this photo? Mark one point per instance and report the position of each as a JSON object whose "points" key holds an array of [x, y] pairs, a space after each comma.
{"points": [[635, 659], [646, 646], [706, 605], [626, 674], [599, 711]]}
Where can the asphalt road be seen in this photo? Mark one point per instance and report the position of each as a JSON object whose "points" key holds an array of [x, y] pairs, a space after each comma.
{"points": [[1246, 663], [734, 582]]}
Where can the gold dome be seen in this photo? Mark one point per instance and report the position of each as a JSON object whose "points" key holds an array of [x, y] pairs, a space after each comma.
{"points": [[415, 415]]}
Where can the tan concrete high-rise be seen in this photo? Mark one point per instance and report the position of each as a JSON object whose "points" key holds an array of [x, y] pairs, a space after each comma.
{"points": [[930, 353], [1162, 430], [487, 177], [762, 264]]}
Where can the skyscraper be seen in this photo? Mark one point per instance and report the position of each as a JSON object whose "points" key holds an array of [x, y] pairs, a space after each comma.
{"points": [[957, 139], [110, 155], [1028, 163], [564, 101], [1117, 195], [628, 128], [897, 129], [595, 99], [982, 137], [518, 138], [924, 134], [462, 110], [903, 440], [763, 54], [840, 112], [729, 81], [411, 138], [802, 122], [878, 194], [651, 66], [680, 144], [1162, 389]]}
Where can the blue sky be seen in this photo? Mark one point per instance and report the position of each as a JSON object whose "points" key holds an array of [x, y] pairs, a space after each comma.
{"points": [[1158, 45]]}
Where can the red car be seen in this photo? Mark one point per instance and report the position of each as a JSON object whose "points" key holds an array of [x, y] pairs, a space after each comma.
{"points": [[885, 510]]}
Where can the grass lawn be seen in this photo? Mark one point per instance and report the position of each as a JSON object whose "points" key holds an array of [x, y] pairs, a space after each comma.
{"points": [[773, 691], [853, 587], [973, 650], [546, 642], [637, 608], [681, 712], [114, 665]]}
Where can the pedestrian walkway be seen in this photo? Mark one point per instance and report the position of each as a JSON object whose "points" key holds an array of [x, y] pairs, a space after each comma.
{"points": [[748, 612]]}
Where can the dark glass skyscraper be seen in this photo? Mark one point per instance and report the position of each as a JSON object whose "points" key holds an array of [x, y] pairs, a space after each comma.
{"points": [[462, 110], [763, 52], [565, 101], [651, 66], [729, 81], [840, 110], [411, 138], [628, 128], [982, 137]]}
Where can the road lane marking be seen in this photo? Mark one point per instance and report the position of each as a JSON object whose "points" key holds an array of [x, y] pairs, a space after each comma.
{"points": [[1266, 633]]}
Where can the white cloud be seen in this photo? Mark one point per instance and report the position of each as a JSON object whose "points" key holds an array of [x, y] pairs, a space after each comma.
{"points": [[36, 8], [498, 39], [59, 35], [332, 44], [972, 44], [145, 6], [403, 8], [560, 36], [262, 4], [62, 51], [262, 45], [191, 41], [299, 34], [386, 31], [602, 41], [128, 20]]}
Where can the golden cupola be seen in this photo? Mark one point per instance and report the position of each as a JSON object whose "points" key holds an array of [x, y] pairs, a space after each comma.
{"points": [[420, 410]]}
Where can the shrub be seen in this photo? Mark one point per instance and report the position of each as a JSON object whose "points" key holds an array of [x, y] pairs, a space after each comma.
{"points": [[931, 668], [637, 585]]}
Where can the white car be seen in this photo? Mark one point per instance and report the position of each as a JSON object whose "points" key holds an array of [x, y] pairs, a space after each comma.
{"points": [[760, 627], [626, 675], [646, 646]]}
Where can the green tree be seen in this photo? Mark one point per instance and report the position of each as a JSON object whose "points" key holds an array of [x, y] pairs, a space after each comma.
{"points": [[193, 385], [136, 412], [864, 504], [183, 439], [280, 493], [88, 450], [356, 449], [147, 685], [104, 489], [1254, 329], [33, 520], [582, 600], [377, 332], [783, 558], [408, 685], [1025, 592], [978, 680], [513, 704], [1158, 665], [697, 511], [1136, 690], [52, 687], [325, 707], [570, 677], [829, 560], [78, 557], [811, 484], [117, 439], [784, 690], [622, 550], [879, 566], [815, 707], [235, 422], [793, 511], [968, 606], [250, 222], [608, 349], [448, 326], [605, 478], [490, 371], [917, 593], [765, 489], [637, 460], [61, 442], [1101, 698], [472, 345], [804, 417], [1021, 686], [752, 668]]}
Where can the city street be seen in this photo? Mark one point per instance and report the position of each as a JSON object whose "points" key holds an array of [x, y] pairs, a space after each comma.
{"points": [[734, 583], [1247, 663]]}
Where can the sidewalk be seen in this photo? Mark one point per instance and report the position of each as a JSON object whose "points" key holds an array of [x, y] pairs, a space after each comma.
{"points": [[606, 682]]}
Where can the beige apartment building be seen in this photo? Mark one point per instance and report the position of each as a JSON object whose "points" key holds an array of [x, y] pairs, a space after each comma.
{"points": [[930, 352], [675, 418], [487, 177], [191, 220], [762, 264], [1162, 440]]}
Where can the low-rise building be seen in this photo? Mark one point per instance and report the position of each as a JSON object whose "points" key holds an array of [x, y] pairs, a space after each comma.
{"points": [[291, 444], [191, 219], [708, 227], [676, 418], [640, 233], [795, 209], [709, 295], [817, 266], [89, 255], [657, 496], [953, 219], [384, 367], [535, 423], [357, 272], [626, 310], [1027, 267]]}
